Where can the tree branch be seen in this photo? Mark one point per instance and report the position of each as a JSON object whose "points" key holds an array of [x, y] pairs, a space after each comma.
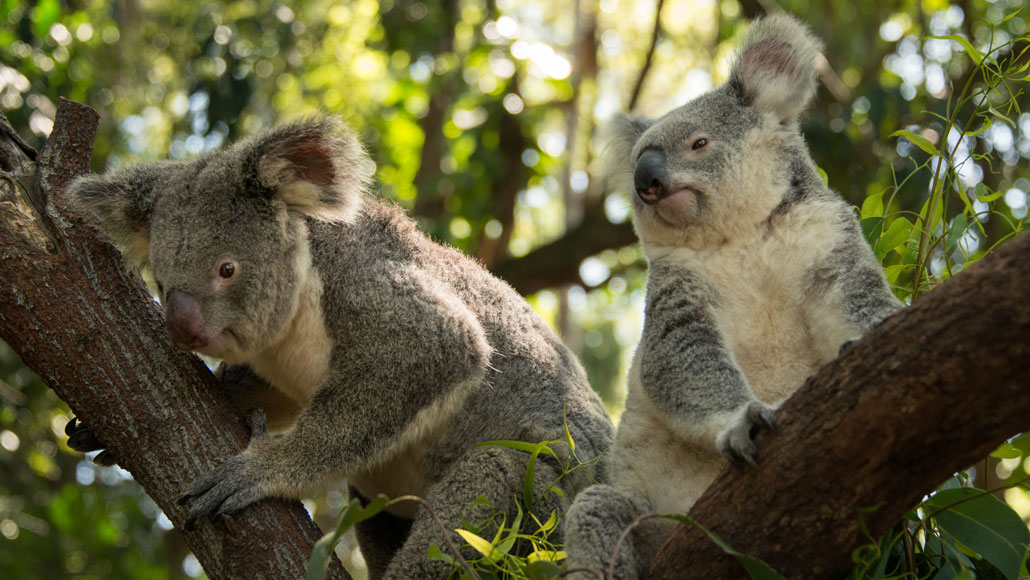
{"points": [[94, 334], [932, 390], [557, 263]]}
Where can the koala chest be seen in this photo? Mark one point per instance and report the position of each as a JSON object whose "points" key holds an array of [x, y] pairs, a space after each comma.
{"points": [[298, 364], [760, 310]]}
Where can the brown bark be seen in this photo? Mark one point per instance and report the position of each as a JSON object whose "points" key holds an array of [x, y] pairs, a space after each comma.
{"points": [[93, 333], [932, 390]]}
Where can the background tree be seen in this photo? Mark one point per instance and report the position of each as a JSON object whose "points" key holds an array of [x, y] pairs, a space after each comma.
{"points": [[485, 119]]}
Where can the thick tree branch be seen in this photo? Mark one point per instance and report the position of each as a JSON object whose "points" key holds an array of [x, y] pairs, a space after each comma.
{"points": [[94, 334], [935, 388], [557, 263]]}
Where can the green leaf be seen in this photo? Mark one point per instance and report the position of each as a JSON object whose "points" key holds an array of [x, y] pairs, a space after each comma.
{"points": [[1007, 451], [873, 206], [971, 50], [894, 271], [44, 16], [350, 516], [897, 233], [523, 446], [542, 570], [958, 229], [918, 141], [872, 229], [985, 524], [756, 569], [434, 553], [984, 194], [480, 545]]}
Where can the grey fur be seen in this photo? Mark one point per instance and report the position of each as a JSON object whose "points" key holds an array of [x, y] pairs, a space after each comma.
{"points": [[758, 274], [425, 353]]}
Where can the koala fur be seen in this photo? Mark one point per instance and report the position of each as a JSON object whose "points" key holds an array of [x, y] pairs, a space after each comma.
{"points": [[382, 357], [758, 274]]}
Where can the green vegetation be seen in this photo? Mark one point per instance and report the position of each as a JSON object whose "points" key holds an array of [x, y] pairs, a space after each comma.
{"points": [[485, 121]]}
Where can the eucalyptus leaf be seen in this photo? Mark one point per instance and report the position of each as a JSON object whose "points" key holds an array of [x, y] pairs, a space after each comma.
{"points": [[984, 524]]}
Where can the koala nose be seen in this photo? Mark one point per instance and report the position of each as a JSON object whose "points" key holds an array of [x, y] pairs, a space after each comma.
{"points": [[184, 322], [649, 178]]}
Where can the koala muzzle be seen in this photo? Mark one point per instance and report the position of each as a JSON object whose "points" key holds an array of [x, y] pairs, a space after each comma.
{"points": [[650, 178], [184, 321]]}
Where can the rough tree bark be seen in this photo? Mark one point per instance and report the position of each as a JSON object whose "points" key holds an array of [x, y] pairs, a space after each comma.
{"points": [[94, 334], [932, 390]]}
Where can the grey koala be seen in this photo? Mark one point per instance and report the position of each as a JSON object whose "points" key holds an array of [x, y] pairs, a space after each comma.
{"points": [[758, 274], [382, 357]]}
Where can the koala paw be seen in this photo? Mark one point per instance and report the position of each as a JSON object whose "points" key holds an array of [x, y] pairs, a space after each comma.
{"points": [[232, 485], [736, 442], [81, 439]]}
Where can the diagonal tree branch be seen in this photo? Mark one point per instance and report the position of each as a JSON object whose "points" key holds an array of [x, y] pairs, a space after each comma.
{"points": [[93, 334], [935, 388]]}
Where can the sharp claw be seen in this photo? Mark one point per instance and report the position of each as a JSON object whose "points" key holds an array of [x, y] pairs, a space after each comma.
{"points": [[191, 524], [183, 499], [71, 426], [105, 458]]}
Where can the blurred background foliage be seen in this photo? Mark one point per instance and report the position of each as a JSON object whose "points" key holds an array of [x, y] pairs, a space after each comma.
{"points": [[485, 119]]}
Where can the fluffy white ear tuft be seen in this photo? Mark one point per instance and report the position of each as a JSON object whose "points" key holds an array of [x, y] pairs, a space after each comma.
{"points": [[315, 167], [775, 67], [123, 202]]}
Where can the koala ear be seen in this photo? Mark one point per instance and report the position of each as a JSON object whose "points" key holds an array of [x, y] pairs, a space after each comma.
{"points": [[775, 67], [313, 166], [623, 133], [123, 201]]}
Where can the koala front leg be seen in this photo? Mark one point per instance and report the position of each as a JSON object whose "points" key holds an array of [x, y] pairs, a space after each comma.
{"points": [[416, 362], [849, 295], [687, 371]]}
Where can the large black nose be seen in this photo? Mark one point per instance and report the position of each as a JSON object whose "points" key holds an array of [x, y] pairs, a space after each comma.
{"points": [[649, 178]]}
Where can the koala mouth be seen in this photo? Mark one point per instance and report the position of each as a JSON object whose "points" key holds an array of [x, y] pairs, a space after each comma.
{"points": [[679, 206]]}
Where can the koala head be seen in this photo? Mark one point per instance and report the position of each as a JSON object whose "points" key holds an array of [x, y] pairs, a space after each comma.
{"points": [[225, 234], [720, 160]]}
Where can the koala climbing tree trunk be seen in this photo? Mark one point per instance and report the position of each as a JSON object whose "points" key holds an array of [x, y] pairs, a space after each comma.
{"points": [[95, 335], [934, 389]]}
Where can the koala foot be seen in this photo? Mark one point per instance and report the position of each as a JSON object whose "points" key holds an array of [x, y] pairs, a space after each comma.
{"points": [[736, 442], [81, 439], [232, 485]]}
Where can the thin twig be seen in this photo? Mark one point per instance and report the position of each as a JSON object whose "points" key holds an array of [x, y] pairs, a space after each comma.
{"points": [[622, 538], [648, 57]]}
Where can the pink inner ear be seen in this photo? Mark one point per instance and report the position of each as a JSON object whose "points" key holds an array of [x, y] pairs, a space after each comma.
{"points": [[312, 159], [769, 58]]}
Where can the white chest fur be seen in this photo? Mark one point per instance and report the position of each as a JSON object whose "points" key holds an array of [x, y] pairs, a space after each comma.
{"points": [[298, 364], [761, 288]]}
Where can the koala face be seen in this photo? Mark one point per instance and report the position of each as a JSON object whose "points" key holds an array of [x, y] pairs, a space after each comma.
{"points": [[682, 158], [225, 235], [720, 158], [225, 263]]}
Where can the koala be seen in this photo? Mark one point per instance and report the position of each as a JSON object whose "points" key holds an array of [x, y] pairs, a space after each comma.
{"points": [[381, 358], [758, 274]]}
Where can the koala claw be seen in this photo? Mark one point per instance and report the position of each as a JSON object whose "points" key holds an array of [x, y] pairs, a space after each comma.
{"points": [[737, 441], [81, 439], [226, 489], [229, 487]]}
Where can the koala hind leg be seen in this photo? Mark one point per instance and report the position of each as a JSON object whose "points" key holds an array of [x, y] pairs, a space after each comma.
{"points": [[495, 473], [595, 523], [379, 537]]}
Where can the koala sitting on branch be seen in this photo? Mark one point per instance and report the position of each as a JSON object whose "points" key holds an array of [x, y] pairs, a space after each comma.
{"points": [[383, 357], [758, 274]]}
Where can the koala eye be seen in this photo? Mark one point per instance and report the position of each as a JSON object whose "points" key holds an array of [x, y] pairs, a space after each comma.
{"points": [[698, 144], [227, 270]]}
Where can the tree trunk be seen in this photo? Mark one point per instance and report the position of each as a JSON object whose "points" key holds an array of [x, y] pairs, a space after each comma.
{"points": [[932, 390], [94, 334]]}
